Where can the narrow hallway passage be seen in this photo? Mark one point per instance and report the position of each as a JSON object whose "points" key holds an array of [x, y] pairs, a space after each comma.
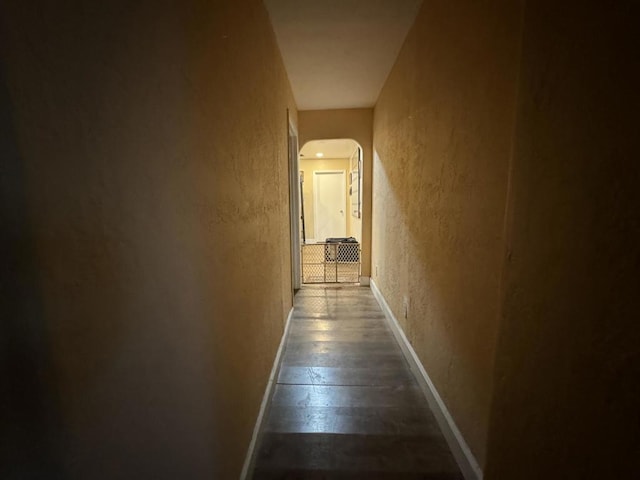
{"points": [[346, 404]]}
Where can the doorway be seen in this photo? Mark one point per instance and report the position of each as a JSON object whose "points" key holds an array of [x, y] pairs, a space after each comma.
{"points": [[331, 211]]}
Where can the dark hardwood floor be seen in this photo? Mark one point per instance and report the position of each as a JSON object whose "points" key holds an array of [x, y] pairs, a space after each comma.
{"points": [[346, 405]]}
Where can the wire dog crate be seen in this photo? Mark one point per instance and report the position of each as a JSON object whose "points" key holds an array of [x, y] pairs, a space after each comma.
{"points": [[331, 262]]}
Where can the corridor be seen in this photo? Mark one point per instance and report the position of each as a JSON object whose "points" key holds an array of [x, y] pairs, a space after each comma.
{"points": [[346, 404], [155, 172]]}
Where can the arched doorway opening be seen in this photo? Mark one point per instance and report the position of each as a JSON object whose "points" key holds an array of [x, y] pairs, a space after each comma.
{"points": [[331, 211]]}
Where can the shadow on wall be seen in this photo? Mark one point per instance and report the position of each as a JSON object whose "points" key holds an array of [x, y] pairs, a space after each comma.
{"points": [[29, 413]]}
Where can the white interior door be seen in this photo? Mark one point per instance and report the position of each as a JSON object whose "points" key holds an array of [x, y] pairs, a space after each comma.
{"points": [[330, 198]]}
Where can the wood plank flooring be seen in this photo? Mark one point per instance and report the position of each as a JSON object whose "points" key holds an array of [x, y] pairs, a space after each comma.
{"points": [[346, 405]]}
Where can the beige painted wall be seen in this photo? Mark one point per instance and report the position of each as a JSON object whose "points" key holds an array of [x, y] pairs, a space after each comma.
{"points": [[357, 125], [144, 190], [568, 364], [442, 137], [310, 165]]}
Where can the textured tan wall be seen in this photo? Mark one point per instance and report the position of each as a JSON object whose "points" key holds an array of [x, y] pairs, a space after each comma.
{"points": [[357, 125], [442, 139], [308, 166], [568, 364], [145, 155]]}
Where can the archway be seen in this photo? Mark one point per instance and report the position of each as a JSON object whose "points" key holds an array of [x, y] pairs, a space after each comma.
{"points": [[331, 179]]}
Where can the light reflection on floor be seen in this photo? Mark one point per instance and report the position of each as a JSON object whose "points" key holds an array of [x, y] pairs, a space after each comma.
{"points": [[346, 404]]}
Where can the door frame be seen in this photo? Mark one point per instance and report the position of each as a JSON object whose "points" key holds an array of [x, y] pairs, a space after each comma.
{"points": [[315, 199], [294, 205]]}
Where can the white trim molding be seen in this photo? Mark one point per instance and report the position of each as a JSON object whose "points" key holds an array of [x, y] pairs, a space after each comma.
{"points": [[249, 461], [294, 203], [459, 448]]}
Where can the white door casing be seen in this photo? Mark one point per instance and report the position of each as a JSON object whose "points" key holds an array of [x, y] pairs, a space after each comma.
{"points": [[294, 206]]}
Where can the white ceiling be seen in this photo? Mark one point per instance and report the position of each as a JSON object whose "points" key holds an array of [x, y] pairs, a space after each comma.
{"points": [[341, 148], [338, 53]]}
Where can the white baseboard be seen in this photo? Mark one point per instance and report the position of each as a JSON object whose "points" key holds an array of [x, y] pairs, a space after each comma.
{"points": [[461, 451], [249, 461]]}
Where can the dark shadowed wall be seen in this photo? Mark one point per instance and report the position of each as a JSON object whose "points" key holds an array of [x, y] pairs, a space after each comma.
{"points": [[568, 359], [145, 233]]}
